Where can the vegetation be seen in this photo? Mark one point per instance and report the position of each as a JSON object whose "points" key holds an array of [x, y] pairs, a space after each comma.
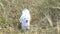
{"points": [[45, 16]]}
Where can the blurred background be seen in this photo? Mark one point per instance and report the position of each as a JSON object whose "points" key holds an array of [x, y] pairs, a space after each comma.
{"points": [[45, 16]]}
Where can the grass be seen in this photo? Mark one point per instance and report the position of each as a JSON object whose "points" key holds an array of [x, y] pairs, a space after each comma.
{"points": [[41, 11]]}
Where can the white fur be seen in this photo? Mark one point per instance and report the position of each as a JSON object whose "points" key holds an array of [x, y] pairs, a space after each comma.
{"points": [[25, 16]]}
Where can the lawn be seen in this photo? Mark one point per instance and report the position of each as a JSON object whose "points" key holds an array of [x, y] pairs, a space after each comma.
{"points": [[45, 16]]}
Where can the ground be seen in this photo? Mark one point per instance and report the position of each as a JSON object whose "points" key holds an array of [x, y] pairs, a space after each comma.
{"points": [[43, 13]]}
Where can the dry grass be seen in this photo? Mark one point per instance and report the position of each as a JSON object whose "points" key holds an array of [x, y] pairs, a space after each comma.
{"points": [[43, 13]]}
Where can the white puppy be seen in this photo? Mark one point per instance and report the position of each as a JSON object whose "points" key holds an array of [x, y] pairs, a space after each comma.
{"points": [[25, 19]]}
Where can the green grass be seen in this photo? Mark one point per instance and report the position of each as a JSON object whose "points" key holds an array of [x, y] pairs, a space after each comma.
{"points": [[10, 12], [2, 21]]}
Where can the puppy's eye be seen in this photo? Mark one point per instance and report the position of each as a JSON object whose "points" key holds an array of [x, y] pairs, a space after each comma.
{"points": [[26, 21], [24, 18]]}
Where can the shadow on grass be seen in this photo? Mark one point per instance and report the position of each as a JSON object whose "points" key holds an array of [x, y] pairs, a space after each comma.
{"points": [[19, 26]]}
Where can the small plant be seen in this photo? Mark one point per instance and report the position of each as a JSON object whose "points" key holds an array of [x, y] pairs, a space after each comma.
{"points": [[2, 22]]}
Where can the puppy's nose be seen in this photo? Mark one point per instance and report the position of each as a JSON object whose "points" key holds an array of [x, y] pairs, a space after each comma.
{"points": [[26, 21]]}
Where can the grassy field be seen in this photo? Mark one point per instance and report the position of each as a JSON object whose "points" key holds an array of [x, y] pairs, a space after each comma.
{"points": [[45, 16]]}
